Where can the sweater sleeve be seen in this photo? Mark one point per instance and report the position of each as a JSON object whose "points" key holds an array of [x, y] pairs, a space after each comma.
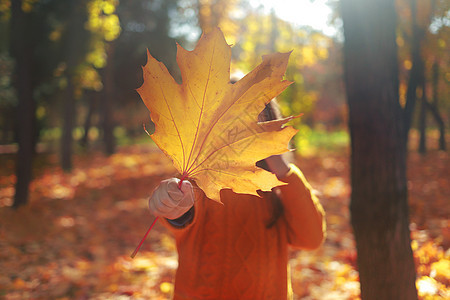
{"points": [[303, 214], [191, 216]]}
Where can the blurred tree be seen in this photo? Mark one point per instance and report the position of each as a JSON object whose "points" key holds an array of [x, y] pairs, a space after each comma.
{"points": [[432, 57], [107, 102], [52, 52], [417, 73], [146, 26], [79, 36], [8, 99], [419, 47], [326, 77], [22, 48], [104, 25], [379, 207], [433, 106], [34, 59], [91, 107], [74, 49], [71, 67]]}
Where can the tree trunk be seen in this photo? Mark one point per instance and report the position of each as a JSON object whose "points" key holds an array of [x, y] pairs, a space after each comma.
{"points": [[434, 106], [91, 99], [379, 208], [107, 102], [73, 49], [22, 52], [69, 121], [417, 70], [423, 120], [68, 112], [440, 122]]}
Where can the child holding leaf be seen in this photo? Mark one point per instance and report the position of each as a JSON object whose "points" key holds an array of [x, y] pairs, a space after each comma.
{"points": [[239, 250], [232, 220]]}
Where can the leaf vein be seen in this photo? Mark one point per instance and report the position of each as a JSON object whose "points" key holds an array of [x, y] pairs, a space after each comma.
{"points": [[201, 114]]}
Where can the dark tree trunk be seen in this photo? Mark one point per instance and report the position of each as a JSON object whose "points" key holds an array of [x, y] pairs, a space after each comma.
{"points": [[68, 112], [434, 106], [74, 49], [423, 120], [379, 208], [437, 117], [417, 71], [22, 51], [91, 99], [107, 103], [68, 124]]}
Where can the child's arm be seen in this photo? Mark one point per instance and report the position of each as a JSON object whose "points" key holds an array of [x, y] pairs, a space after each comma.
{"points": [[303, 214]]}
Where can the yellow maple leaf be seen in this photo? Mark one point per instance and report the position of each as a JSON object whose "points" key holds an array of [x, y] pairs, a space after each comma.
{"points": [[209, 126]]}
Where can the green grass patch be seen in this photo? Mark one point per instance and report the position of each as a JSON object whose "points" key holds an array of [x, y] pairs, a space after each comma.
{"points": [[309, 141]]}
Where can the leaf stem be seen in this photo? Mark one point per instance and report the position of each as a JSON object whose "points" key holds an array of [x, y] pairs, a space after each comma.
{"points": [[183, 177], [154, 222], [143, 239]]}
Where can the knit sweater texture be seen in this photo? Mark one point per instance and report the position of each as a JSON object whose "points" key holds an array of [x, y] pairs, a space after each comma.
{"points": [[227, 251]]}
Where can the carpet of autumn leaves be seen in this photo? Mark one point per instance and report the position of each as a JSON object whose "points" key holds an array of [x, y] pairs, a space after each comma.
{"points": [[74, 239]]}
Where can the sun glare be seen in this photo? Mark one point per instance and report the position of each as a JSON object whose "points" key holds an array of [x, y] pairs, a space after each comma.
{"points": [[301, 13]]}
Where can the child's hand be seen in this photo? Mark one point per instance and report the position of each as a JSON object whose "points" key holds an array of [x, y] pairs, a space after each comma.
{"points": [[169, 201], [278, 165]]}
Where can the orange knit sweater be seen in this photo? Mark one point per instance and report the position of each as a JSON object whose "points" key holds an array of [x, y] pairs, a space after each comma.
{"points": [[227, 251]]}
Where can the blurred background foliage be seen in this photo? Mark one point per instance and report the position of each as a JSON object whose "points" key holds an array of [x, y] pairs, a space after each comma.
{"points": [[87, 57]]}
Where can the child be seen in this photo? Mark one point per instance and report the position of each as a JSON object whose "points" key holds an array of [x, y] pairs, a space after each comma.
{"points": [[239, 250]]}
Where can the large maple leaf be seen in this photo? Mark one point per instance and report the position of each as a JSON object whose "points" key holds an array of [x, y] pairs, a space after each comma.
{"points": [[209, 126]]}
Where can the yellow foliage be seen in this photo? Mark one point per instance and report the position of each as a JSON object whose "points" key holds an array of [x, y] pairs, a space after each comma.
{"points": [[414, 245], [322, 53], [5, 6], [87, 77], [112, 24], [55, 35], [308, 56], [108, 7], [166, 287], [258, 34], [97, 55], [407, 64], [441, 270], [428, 288], [214, 14], [27, 5], [102, 20], [400, 41], [105, 26], [402, 93]]}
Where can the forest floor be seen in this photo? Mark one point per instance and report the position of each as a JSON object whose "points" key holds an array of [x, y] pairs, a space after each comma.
{"points": [[74, 239]]}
